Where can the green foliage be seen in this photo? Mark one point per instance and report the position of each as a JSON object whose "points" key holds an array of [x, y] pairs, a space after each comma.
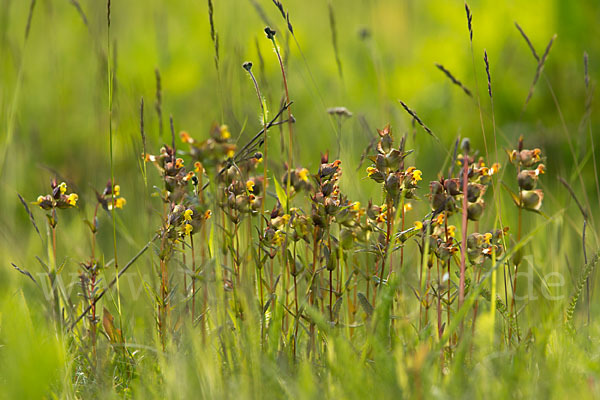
{"points": [[317, 297]]}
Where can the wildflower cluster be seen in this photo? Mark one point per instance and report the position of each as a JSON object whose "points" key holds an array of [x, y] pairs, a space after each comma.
{"points": [[105, 199], [173, 173], [388, 167], [326, 200], [58, 197], [482, 246], [529, 197], [213, 150], [447, 194], [240, 197], [351, 225], [274, 235], [298, 180]]}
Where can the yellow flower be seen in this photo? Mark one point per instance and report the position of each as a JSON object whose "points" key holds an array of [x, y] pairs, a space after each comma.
{"points": [[230, 153], [120, 202], [224, 130], [179, 163], [187, 229], [440, 218], [187, 214], [487, 237], [495, 168], [72, 199], [356, 206], [285, 219], [188, 176], [408, 207], [185, 137], [371, 171], [541, 169], [418, 225], [117, 190], [62, 188], [451, 230], [417, 175], [250, 186], [207, 214], [277, 238], [303, 174]]}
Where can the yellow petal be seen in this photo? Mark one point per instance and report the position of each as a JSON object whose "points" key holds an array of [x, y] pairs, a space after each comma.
{"points": [[303, 174], [72, 199], [224, 130]]}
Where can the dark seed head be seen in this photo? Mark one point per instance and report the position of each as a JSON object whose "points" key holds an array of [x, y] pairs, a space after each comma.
{"points": [[466, 145], [270, 33]]}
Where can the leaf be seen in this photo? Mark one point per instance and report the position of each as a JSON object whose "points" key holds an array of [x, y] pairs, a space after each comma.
{"points": [[108, 324], [280, 194], [336, 307], [43, 264], [211, 240], [113, 333], [268, 304], [90, 225], [365, 304], [51, 220], [514, 196], [406, 234], [31, 218], [61, 266]]}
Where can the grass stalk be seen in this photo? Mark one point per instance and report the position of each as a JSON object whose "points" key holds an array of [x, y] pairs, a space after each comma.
{"points": [[464, 227]]}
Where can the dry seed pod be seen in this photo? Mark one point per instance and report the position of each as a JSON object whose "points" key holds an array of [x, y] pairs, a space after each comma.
{"points": [[527, 179], [435, 187], [475, 210], [452, 186], [532, 199], [475, 191]]}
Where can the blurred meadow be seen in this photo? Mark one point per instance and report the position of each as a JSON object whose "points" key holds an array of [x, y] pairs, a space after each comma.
{"points": [[364, 55]]}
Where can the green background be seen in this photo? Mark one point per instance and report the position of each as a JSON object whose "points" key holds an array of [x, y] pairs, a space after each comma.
{"points": [[54, 107]]}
